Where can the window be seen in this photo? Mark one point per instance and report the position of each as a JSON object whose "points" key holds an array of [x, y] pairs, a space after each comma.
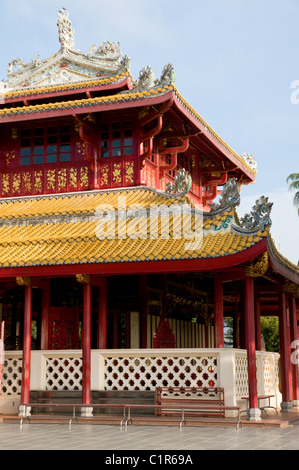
{"points": [[116, 139], [45, 145]]}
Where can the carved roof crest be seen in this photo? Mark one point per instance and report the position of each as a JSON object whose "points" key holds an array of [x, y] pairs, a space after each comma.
{"points": [[230, 196], [65, 29], [259, 217]]}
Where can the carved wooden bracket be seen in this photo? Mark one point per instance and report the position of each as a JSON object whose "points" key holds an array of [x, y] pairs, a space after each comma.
{"points": [[258, 266], [291, 288], [23, 281], [83, 278]]}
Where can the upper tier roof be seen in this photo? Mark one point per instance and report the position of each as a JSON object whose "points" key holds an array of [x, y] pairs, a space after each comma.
{"points": [[71, 82]]}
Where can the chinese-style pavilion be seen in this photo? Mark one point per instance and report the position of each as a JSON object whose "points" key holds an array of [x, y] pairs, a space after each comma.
{"points": [[119, 231]]}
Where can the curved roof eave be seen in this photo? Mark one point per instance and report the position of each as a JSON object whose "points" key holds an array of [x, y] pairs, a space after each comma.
{"points": [[281, 264]]}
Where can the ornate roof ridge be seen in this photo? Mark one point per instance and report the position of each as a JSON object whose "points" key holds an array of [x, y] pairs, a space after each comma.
{"points": [[132, 95], [69, 86]]}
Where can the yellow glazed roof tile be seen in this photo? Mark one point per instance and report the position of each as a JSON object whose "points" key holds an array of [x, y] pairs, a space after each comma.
{"points": [[56, 230]]}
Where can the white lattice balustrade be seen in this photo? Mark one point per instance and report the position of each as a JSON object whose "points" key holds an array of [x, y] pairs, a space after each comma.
{"points": [[146, 373], [144, 369], [12, 376], [63, 373]]}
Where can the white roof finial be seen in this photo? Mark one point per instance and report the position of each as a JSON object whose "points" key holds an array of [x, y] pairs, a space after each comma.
{"points": [[65, 29]]}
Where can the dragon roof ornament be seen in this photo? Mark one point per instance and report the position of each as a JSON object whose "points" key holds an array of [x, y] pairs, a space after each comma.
{"points": [[181, 185], [107, 50], [250, 160], [167, 76], [230, 197], [259, 217], [146, 78]]}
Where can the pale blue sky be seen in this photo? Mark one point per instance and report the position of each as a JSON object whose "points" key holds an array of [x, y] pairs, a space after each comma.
{"points": [[234, 62]]}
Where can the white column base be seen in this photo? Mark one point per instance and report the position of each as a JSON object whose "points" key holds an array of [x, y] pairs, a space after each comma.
{"points": [[86, 411], [24, 411], [295, 404], [286, 406], [254, 414]]}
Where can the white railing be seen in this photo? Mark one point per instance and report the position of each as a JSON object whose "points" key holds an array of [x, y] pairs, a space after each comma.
{"points": [[144, 369]]}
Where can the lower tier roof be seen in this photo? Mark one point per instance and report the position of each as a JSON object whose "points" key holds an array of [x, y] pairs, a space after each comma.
{"points": [[129, 225]]}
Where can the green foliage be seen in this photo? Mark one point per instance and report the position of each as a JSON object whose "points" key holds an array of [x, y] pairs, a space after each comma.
{"points": [[270, 332], [293, 182]]}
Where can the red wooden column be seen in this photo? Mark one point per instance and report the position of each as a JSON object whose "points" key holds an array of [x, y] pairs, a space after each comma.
{"points": [[26, 362], [86, 344], [258, 334], [142, 295], [285, 355], [102, 315], [45, 315], [218, 313], [294, 342], [254, 413], [236, 332]]}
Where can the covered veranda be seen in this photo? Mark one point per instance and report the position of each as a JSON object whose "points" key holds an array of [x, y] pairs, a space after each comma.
{"points": [[75, 349], [93, 307]]}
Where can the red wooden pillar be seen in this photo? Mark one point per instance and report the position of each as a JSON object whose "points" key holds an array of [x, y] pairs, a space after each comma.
{"points": [[236, 332], [258, 334], [26, 345], [207, 336], [294, 341], [218, 313], [254, 412], [45, 315], [142, 294], [86, 345], [285, 355], [102, 316]]}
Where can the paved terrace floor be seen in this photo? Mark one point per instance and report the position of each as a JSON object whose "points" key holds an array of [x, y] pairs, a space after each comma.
{"points": [[107, 437]]}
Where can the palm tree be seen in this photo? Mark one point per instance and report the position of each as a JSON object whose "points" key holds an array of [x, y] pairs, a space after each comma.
{"points": [[293, 181]]}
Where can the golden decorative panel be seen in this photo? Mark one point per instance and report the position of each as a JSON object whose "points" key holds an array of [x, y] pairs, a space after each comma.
{"points": [[38, 182], [84, 180], [73, 178], [104, 175], [51, 180], [61, 179], [129, 172], [27, 183], [116, 175], [5, 184], [16, 184]]}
